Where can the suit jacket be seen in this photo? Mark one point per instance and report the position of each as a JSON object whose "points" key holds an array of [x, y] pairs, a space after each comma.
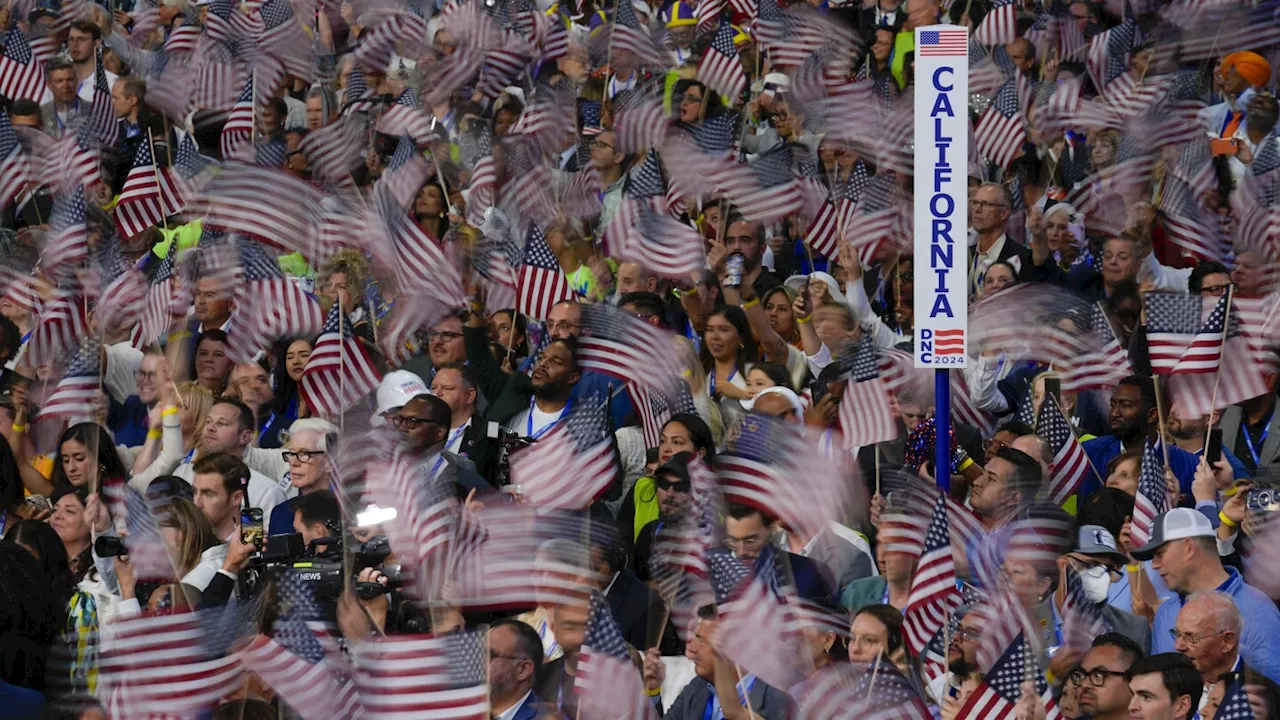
{"points": [[1231, 422], [553, 683], [478, 446], [535, 708], [767, 702], [839, 562], [1127, 624], [49, 119], [635, 607]]}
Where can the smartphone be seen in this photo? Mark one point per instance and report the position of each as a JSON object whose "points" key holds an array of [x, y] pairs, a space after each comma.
{"points": [[1213, 451], [1053, 386], [39, 502], [1224, 146], [251, 529]]}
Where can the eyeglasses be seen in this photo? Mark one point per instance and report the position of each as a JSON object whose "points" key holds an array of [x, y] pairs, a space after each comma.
{"points": [[302, 456], [1216, 290], [1097, 676], [434, 335], [904, 276], [563, 326], [1191, 638], [746, 543], [683, 486], [600, 144], [143, 375], [402, 422], [984, 205]]}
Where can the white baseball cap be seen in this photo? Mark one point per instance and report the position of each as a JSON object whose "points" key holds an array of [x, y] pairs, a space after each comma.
{"points": [[1176, 524], [796, 282], [395, 391], [796, 403]]}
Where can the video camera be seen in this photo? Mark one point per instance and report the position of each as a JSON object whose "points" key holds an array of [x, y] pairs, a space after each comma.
{"points": [[508, 443], [323, 571]]}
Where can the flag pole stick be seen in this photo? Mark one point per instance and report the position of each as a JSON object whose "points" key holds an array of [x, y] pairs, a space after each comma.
{"points": [[746, 699], [1155, 381], [877, 456], [871, 686], [1222, 351], [35, 203], [253, 108], [164, 216]]}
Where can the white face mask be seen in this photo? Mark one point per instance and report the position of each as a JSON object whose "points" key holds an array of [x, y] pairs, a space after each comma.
{"points": [[1096, 583]]}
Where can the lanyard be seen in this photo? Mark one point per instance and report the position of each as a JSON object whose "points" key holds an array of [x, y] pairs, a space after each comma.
{"points": [[714, 711], [543, 431], [884, 600], [1261, 441], [190, 454], [435, 468], [265, 427], [732, 375]]}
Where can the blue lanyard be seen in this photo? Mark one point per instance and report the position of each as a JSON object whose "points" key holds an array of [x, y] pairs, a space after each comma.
{"points": [[714, 710], [732, 375], [190, 454], [265, 427], [1261, 441], [529, 427], [885, 599], [452, 436]]}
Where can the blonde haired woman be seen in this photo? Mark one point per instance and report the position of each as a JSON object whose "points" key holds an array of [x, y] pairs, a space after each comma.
{"points": [[175, 430], [195, 550]]}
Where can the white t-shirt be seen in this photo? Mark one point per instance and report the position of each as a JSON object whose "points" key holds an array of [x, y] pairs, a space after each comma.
{"points": [[263, 493], [541, 424]]}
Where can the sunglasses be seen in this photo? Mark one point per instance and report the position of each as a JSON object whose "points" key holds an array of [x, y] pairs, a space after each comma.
{"points": [[683, 486]]}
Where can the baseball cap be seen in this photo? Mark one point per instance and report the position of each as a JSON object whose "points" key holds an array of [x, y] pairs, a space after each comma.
{"points": [[796, 282], [1097, 541], [395, 391], [1176, 524], [796, 403]]}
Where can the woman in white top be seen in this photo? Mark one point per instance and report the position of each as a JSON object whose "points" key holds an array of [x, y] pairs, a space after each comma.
{"points": [[728, 349]]}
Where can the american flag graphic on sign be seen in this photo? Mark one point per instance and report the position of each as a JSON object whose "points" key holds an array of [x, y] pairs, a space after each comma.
{"points": [[944, 43]]}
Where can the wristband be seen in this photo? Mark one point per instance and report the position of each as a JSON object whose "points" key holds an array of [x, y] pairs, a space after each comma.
{"points": [[804, 319], [1133, 567], [171, 410], [18, 428], [154, 434], [1231, 491], [1226, 520], [968, 463], [750, 303], [1048, 675], [692, 291], [655, 692]]}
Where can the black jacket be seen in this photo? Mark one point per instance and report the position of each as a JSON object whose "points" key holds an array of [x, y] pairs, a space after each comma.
{"points": [[637, 610]]}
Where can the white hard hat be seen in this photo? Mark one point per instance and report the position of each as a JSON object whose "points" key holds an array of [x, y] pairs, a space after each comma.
{"points": [[395, 391]]}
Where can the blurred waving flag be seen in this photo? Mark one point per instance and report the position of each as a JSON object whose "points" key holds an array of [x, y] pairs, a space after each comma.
{"points": [[415, 676], [759, 631], [1000, 131], [999, 26], [340, 371], [721, 69], [271, 305], [74, 396], [1102, 368], [933, 588], [102, 114], [542, 282], [237, 133], [139, 205], [15, 170], [59, 329], [608, 682], [1070, 463], [1153, 496], [573, 465], [21, 73], [68, 246], [865, 416]]}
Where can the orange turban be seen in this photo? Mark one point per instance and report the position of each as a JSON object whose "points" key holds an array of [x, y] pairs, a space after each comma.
{"points": [[1251, 66]]}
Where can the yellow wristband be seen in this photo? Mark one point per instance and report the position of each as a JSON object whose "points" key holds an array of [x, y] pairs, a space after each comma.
{"points": [[1048, 675], [1227, 521], [1133, 567], [171, 410], [655, 692], [692, 291], [804, 319], [968, 463], [154, 434], [1231, 491], [18, 428], [751, 303]]}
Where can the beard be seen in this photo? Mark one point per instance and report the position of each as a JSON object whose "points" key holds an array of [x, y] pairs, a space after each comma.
{"points": [[961, 667]]}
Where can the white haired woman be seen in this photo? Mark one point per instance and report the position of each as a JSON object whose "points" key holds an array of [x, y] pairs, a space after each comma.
{"points": [[311, 440]]}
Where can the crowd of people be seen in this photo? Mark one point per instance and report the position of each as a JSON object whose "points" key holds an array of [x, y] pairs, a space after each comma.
{"points": [[346, 342]]}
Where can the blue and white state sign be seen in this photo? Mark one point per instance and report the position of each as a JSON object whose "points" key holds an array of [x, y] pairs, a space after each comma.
{"points": [[941, 196]]}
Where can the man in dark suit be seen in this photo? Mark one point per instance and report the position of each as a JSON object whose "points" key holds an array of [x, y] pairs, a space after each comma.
{"points": [[748, 534], [716, 681], [515, 657], [468, 434], [989, 209], [635, 605], [1246, 431]]}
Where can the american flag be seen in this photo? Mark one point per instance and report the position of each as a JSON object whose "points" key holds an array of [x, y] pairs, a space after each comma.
{"points": [[144, 542], [284, 38], [944, 43], [1189, 225], [655, 409], [1235, 702], [728, 574], [182, 39], [415, 676], [406, 117], [265, 203], [1152, 498], [640, 124], [1108, 56], [160, 300], [237, 133], [773, 468], [1000, 132], [865, 417], [139, 205], [158, 664], [542, 282], [874, 218], [643, 232], [1102, 368], [721, 69], [21, 73], [759, 631], [1081, 620], [270, 305], [15, 171], [74, 396], [573, 465], [879, 692], [1001, 687], [790, 35], [607, 679], [834, 215], [340, 371], [556, 42], [625, 347], [121, 303], [59, 329], [102, 114], [628, 35], [68, 246], [684, 546], [355, 98], [185, 178], [1178, 340], [999, 26], [765, 190], [1070, 463], [933, 588]]}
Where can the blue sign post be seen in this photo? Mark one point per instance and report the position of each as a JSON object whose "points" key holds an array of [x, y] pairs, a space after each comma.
{"points": [[941, 218]]}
